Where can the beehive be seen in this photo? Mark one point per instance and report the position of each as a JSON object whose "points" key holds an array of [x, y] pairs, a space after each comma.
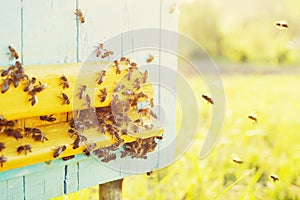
{"points": [[56, 44]]}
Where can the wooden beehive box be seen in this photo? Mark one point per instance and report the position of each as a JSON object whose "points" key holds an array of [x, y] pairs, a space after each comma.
{"points": [[52, 43]]}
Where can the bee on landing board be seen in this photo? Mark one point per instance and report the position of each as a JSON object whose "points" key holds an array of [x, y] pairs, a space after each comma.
{"points": [[80, 15], [24, 148], [101, 78], [65, 99], [64, 82], [58, 151], [208, 99], [2, 160]]}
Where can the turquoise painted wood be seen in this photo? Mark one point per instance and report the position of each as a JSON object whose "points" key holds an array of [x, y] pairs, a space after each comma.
{"points": [[46, 32]]}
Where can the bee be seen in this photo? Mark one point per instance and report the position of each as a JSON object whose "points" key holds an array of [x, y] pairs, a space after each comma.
{"points": [[31, 131], [253, 117], [65, 83], [89, 147], [39, 137], [33, 99], [78, 141], [30, 85], [282, 24], [106, 54], [6, 85], [103, 95], [149, 173], [236, 159], [119, 87], [139, 122], [159, 137], [37, 88], [73, 132], [129, 74], [13, 52], [15, 133], [80, 15], [274, 177], [2, 160], [99, 49], [136, 128], [151, 102], [24, 148], [65, 99], [128, 92], [148, 126], [126, 60], [150, 58], [68, 157], [2, 146], [145, 77], [81, 92], [174, 8], [208, 99], [101, 78], [47, 118], [58, 151], [109, 157], [116, 64]]}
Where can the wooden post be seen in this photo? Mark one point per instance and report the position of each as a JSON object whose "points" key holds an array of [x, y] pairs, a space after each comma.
{"points": [[111, 190]]}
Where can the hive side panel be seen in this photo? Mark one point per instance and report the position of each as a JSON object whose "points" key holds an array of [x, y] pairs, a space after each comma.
{"points": [[71, 178], [15, 188], [10, 23], [167, 76], [49, 31], [45, 184], [103, 20]]}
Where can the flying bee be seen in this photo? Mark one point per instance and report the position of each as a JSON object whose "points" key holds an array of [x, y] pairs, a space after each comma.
{"points": [[6, 85], [13, 52], [150, 58], [235, 158], [103, 95], [274, 177], [49, 118], [24, 148], [145, 76], [174, 8], [208, 99], [282, 24], [2, 146], [99, 49], [106, 54], [33, 99], [65, 99], [30, 85], [101, 78], [81, 92], [58, 151], [149, 173], [2, 160], [80, 15], [65, 83], [253, 117]]}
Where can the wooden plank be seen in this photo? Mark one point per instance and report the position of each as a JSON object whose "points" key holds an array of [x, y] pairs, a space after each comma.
{"points": [[10, 30], [12, 189], [49, 33], [103, 19], [44, 185]]}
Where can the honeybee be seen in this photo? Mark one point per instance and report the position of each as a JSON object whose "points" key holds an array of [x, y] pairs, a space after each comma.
{"points": [[39, 137], [253, 117], [13, 52], [78, 141], [65, 99], [126, 60], [99, 49], [58, 151], [282, 24], [6, 85], [89, 148], [109, 157], [101, 79], [150, 58], [274, 177], [2, 146], [116, 64], [137, 84], [145, 77], [47, 118], [103, 95], [68, 157], [151, 102], [80, 15], [81, 92], [235, 158], [106, 54], [65, 82], [30, 85], [174, 8], [33, 99], [24, 148], [208, 99], [2, 160], [149, 173]]}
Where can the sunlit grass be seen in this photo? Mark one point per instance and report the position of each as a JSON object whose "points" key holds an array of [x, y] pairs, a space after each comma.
{"points": [[271, 146]]}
